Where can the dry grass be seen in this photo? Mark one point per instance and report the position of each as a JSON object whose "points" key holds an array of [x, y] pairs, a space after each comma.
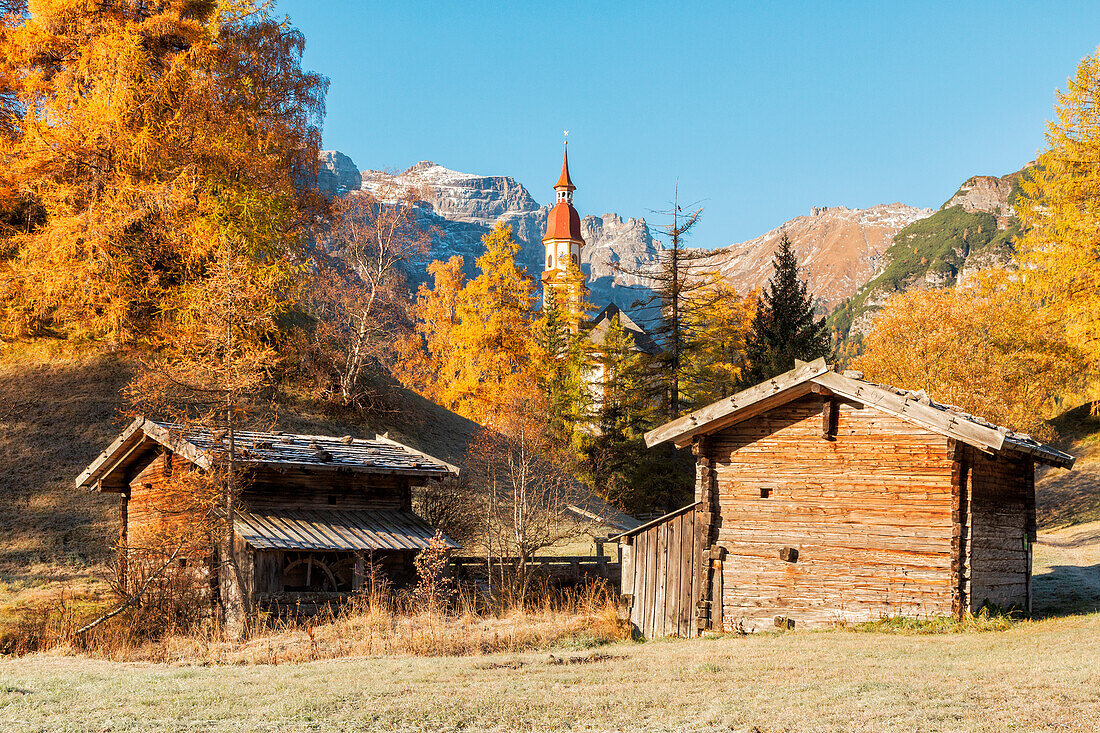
{"points": [[1034, 677]]}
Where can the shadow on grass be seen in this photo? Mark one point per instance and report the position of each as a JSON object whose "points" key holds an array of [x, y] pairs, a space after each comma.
{"points": [[1066, 590]]}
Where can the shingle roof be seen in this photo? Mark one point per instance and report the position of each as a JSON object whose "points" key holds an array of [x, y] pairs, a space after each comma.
{"points": [[334, 530], [205, 447]]}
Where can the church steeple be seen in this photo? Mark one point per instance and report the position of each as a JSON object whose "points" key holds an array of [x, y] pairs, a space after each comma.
{"points": [[564, 186], [562, 278]]}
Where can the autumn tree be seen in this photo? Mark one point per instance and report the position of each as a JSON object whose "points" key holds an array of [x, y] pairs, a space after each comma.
{"points": [[784, 327], [141, 127], [676, 283], [982, 347], [169, 151], [429, 359], [476, 336], [358, 292], [1060, 207], [716, 363]]}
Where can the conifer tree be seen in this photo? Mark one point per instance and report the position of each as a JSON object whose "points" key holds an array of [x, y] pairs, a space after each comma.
{"points": [[616, 460], [676, 284], [561, 369], [784, 327], [1060, 206]]}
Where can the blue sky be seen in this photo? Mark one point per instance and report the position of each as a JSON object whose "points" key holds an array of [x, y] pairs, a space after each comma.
{"points": [[760, 110]]}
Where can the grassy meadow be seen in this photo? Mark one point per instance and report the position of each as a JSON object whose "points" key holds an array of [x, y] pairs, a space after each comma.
{"points": [[548, 669], [1034, 676]]}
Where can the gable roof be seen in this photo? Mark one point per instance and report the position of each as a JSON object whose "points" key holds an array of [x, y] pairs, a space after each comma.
{"points": [[914, 407], [602, 322], [204, 447]]}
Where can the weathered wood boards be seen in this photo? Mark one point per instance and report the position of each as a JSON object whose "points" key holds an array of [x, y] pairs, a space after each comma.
{"points": [[659, 574]]}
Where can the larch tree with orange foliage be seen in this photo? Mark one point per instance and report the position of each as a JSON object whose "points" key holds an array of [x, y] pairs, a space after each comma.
{"points": [[139, 129], [982, 347], [1060, 206], [429, 359], [170, 150], [476, 336], [719, 320]]}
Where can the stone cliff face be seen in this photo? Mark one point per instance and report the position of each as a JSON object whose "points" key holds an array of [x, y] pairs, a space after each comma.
{"points": [[838, 248], [338, 174], [986, 193]]}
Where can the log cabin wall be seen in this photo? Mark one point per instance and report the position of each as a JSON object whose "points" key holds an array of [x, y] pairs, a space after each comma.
{"points": [[1002, 529], [830, 514], [156, 519], [274, 488]]}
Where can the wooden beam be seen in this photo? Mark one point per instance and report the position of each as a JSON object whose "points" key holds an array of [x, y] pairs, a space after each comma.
{"points": [[89, 477], [829, 413], [940, 421], [757, 408]]}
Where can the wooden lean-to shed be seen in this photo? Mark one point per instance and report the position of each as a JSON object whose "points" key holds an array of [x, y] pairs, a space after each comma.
{"points": [[313, 510], [824, 498]]}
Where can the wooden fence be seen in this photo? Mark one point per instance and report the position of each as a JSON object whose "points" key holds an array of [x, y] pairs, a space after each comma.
{"points": [[659, 582], [559, 570]]}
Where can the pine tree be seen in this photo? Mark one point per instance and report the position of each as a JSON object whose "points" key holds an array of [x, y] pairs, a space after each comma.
{"points": [[784, 328], [560, 369], [616, 460]]}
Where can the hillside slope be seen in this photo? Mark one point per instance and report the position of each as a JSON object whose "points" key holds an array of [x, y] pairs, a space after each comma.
{"points": [[56, 416], [1073, 497], [973, 230]]}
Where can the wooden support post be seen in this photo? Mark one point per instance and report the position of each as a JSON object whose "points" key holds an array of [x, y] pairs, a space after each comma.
{"points": [[704, 527], [829, 418], [359, 573], [1031, 529], [960, 532], [123, 527]]}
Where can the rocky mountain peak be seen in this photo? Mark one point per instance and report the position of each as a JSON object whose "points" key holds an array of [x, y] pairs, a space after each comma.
{"points": [[337, 174], [989, 194]]}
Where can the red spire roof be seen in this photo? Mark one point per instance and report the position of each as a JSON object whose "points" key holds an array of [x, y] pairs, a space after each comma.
{"points": [[563, 180]]}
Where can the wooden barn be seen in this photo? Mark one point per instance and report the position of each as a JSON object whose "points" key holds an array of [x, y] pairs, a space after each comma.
{"points": [[822, 498], [313, 510]]}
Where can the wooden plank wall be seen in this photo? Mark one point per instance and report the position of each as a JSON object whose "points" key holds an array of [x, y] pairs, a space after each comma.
{"points": [[659, 574], [868, 510], [1002, 530], [154, 516], [271, 488]]}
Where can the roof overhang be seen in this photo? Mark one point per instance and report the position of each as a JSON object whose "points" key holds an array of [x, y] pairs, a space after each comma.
{"points": [[816, 376]]}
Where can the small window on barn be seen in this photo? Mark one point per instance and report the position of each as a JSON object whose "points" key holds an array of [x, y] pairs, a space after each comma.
{"points": [[332, 498], [765, 492]]}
